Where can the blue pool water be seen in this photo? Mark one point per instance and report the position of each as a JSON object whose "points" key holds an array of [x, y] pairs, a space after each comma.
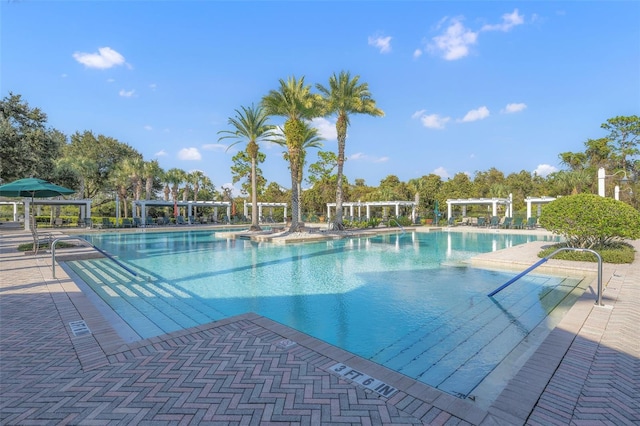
{"points": [[405, 301]]}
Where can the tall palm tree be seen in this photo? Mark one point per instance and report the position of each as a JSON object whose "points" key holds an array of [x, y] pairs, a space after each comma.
{"points": [[174, 177], [294, 101], [343, 97], [150, 171], [250, 124], [311, 139], [197, 178]]}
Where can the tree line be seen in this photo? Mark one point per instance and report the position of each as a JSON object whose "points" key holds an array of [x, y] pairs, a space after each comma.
{"points": [[99, 166]]}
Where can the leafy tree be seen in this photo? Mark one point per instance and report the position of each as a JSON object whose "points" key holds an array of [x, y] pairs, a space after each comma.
{"points": [[345, 96], [250, 125], [322, 169], [274, 193], [294, 101], [590, 221], [152, 172], [27, 147], [242, 168], [624, 132], [96, 158]]}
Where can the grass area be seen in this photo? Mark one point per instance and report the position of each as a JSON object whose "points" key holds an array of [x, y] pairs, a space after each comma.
{"points": [[618, 253], [44, 245]]}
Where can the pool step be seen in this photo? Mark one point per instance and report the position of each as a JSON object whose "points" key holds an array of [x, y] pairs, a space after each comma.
{"points": [[473, 337], [146, 299]]}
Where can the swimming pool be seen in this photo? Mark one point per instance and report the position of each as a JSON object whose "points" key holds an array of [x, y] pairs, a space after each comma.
{"points": [[406, 301]]}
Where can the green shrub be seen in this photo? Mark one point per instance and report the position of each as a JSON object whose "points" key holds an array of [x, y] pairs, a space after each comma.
{"points": [[614, 253], [588, 221]]}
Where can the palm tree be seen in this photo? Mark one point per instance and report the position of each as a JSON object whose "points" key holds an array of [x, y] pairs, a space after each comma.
{"points": [[294, 101], [174, 177], [311, 139], [150, 171], [196, 178], [250, 124], [345, 96]]}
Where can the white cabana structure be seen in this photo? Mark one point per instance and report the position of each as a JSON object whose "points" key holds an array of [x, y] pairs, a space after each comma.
{"points": [[367, 205], [15, 207], [85, 207], [538, 201], [181, 204], [493, 202], [271, 206]]}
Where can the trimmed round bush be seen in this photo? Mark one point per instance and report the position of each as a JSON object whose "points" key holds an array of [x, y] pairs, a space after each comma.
{"points": [[590, 221]]}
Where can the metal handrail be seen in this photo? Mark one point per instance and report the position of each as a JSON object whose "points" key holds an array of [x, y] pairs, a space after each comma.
{"points": [[398, 223], [544, 259], [53, 255]]}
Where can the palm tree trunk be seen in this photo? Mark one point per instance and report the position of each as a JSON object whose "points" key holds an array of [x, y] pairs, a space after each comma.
{"points": [[255, 226], [341, 128]]}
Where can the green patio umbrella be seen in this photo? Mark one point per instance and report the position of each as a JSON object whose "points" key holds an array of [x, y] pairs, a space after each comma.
{"points": [[34, 188]]}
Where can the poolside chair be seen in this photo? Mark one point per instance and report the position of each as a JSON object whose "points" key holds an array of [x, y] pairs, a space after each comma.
{"points": [[532, 222], [86, 222], [482, 221], [126, 223], [517, 223], [149, 221], [106, 223], [137, 222], [506, 223], [180, 220], [494, 222], [451, 221]]}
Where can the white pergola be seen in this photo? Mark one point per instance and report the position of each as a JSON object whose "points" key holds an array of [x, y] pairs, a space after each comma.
{"points": [[271, 206], [367, 205], [85, 208], [539, 201], [15, 207], [188, 204], [493, 202]]}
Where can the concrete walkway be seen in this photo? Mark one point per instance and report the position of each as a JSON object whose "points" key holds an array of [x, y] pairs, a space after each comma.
{"points": [[62, 362]]}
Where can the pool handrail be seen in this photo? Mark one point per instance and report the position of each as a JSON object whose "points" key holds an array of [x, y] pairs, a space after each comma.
{"points": [[107, 255], [397, 223], [544, 259]]}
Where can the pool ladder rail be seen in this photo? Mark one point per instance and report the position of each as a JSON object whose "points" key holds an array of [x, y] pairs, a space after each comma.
{"points": [[400, 226], [544, 259], [88, 244]]}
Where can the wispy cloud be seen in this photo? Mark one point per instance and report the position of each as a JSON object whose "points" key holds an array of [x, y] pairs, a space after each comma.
{"points": [[512, 108], [148, 128], [543, 170], [431, 121], [161, 153], [127, 93], [215, 147], [359, 156], [189, 154], [381, 43], [509, 20], [326, 128], [476, 114], [442, 172], [105, 58], [455, 42]]}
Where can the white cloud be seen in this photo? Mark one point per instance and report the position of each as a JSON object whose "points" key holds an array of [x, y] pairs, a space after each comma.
{"points": [[543, 170], [148, 127], [431, 121], [326, 129], [442, 172], [214, 147], [509, 20], [417, 53], [105, 58], [454, 43], [511, 108], [153, 86], [381, 43], [189, 154], [476, 114], [126, 93], [161, 153], [359, 156]]}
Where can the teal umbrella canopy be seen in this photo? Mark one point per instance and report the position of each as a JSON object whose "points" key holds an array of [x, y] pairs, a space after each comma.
{"points": [[34, 188]]}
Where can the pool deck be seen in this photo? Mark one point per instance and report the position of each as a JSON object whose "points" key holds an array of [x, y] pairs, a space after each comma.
{"points": [[63, 362]]}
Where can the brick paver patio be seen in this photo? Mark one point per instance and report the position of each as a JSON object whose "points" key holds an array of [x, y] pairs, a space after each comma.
{"points": [[251, 370]]}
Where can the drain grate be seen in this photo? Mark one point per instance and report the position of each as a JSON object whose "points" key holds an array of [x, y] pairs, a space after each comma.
{"points": [[79, 328], [285, 344]]}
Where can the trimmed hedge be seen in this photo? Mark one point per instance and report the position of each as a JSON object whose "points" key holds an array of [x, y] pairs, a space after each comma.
{"points": [[615, 253]]}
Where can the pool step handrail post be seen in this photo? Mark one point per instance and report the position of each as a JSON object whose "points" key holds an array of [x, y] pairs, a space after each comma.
{"points": [[544, 259], [107, 255], [398, 223]]}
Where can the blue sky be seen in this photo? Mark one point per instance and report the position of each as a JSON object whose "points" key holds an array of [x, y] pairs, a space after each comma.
{"points": [[465, 86]]}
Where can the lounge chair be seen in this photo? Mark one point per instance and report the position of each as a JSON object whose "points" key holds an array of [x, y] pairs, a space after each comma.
{"points": [[482, 221], [506, 223], [180, 220], [106, 223], [451, 221], [149, 221], [87, 222], [126, 223], [137, 222], [494, 222], [517, 223], [532, 222]]}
